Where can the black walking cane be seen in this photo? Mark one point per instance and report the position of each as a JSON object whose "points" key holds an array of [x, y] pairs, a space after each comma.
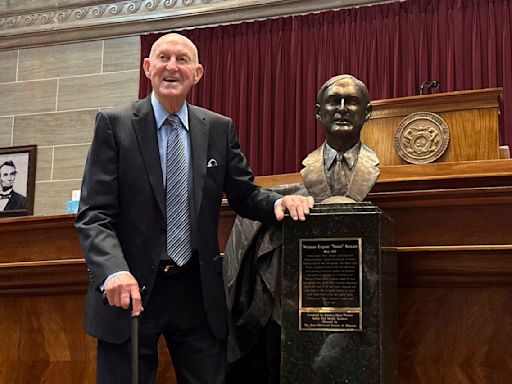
{"points": [[135, 349], [135, 323]]}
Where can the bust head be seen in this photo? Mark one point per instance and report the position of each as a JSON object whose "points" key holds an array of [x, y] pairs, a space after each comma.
{"points": [[342, 108]]}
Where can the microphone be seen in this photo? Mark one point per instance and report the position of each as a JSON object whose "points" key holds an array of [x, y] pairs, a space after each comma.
{"points": [[429, 84]]}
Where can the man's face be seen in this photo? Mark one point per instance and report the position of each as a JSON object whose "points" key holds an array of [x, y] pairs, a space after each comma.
{"points": [[7, 176], [173, 69], [342, 111]]}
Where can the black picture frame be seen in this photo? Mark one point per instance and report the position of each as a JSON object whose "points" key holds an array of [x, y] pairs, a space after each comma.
{"points": [[17, 180]]}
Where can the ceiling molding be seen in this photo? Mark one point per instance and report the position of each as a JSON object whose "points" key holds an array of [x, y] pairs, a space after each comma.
{"points": [[76, 21]]}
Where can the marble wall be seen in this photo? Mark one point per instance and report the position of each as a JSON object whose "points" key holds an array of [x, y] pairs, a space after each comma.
{"points": [[50, 96]]}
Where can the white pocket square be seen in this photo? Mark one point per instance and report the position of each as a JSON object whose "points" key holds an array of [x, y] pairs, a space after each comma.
{"points": [[211, 163]]}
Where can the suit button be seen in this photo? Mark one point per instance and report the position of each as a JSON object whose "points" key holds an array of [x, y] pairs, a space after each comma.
{"points": [[152, 268]]}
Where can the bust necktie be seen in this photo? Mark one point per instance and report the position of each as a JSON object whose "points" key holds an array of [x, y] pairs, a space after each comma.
{"points": [[177, 204], [337, 176]]}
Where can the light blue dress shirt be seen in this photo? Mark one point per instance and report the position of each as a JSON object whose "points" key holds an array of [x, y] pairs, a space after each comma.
{"points": [[162, 131]]}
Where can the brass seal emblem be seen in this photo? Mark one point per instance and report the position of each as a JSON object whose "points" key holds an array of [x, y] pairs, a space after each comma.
{"points": [[421, 137]]}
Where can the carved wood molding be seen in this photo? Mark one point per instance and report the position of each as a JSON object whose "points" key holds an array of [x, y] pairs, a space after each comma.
{"points": [[30, 223], [80, 20], [43, 278]]}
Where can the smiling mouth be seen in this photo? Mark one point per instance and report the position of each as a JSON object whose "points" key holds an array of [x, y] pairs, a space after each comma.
{"points": [[170, 80]]}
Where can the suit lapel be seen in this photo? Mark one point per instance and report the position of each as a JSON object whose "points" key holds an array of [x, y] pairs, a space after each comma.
{"points": [[313, 175], [199, 131], [365, 174], [143, 123]]}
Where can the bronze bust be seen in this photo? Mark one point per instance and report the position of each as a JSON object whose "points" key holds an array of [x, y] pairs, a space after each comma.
{"points": [[342, 169]]}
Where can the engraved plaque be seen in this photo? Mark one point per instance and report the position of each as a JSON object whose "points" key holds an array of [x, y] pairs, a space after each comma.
{"points": [[330, 289], [422, 137]]}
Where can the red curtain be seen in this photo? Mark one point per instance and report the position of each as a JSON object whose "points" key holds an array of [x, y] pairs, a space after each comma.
{"points": [[265, 74]]}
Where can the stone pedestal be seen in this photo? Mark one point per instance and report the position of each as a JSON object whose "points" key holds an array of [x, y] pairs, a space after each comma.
{"points": [[339, 297]]}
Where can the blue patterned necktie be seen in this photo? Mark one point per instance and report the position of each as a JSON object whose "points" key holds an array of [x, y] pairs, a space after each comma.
{"points": [[177, 204]]}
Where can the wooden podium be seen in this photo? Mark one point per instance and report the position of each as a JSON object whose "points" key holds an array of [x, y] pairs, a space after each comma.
{"points": [[453, 234], [472, 117]]}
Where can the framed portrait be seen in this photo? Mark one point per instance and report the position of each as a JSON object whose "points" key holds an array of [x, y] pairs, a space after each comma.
{"points": [[17, 180]]}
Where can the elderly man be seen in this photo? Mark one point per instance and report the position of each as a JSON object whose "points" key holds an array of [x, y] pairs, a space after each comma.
{"points": [[342, 167], [149, 209], [9, 199]]}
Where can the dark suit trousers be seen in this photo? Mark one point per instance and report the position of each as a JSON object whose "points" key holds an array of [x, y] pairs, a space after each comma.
{"points": [[176, 311]]}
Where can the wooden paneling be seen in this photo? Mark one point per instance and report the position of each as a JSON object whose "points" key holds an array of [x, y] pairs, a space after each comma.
{"points": [[455, 266], [39, 239], [43, 342], [43, 277], [453, 234], [446, 225], [454, 335]]}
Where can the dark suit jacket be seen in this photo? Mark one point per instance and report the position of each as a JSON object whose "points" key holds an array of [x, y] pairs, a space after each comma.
{"points": [[16, 202], [121, 218]]}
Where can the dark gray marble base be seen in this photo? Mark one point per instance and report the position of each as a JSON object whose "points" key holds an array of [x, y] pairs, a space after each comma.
{"points": [[356, 356]]}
